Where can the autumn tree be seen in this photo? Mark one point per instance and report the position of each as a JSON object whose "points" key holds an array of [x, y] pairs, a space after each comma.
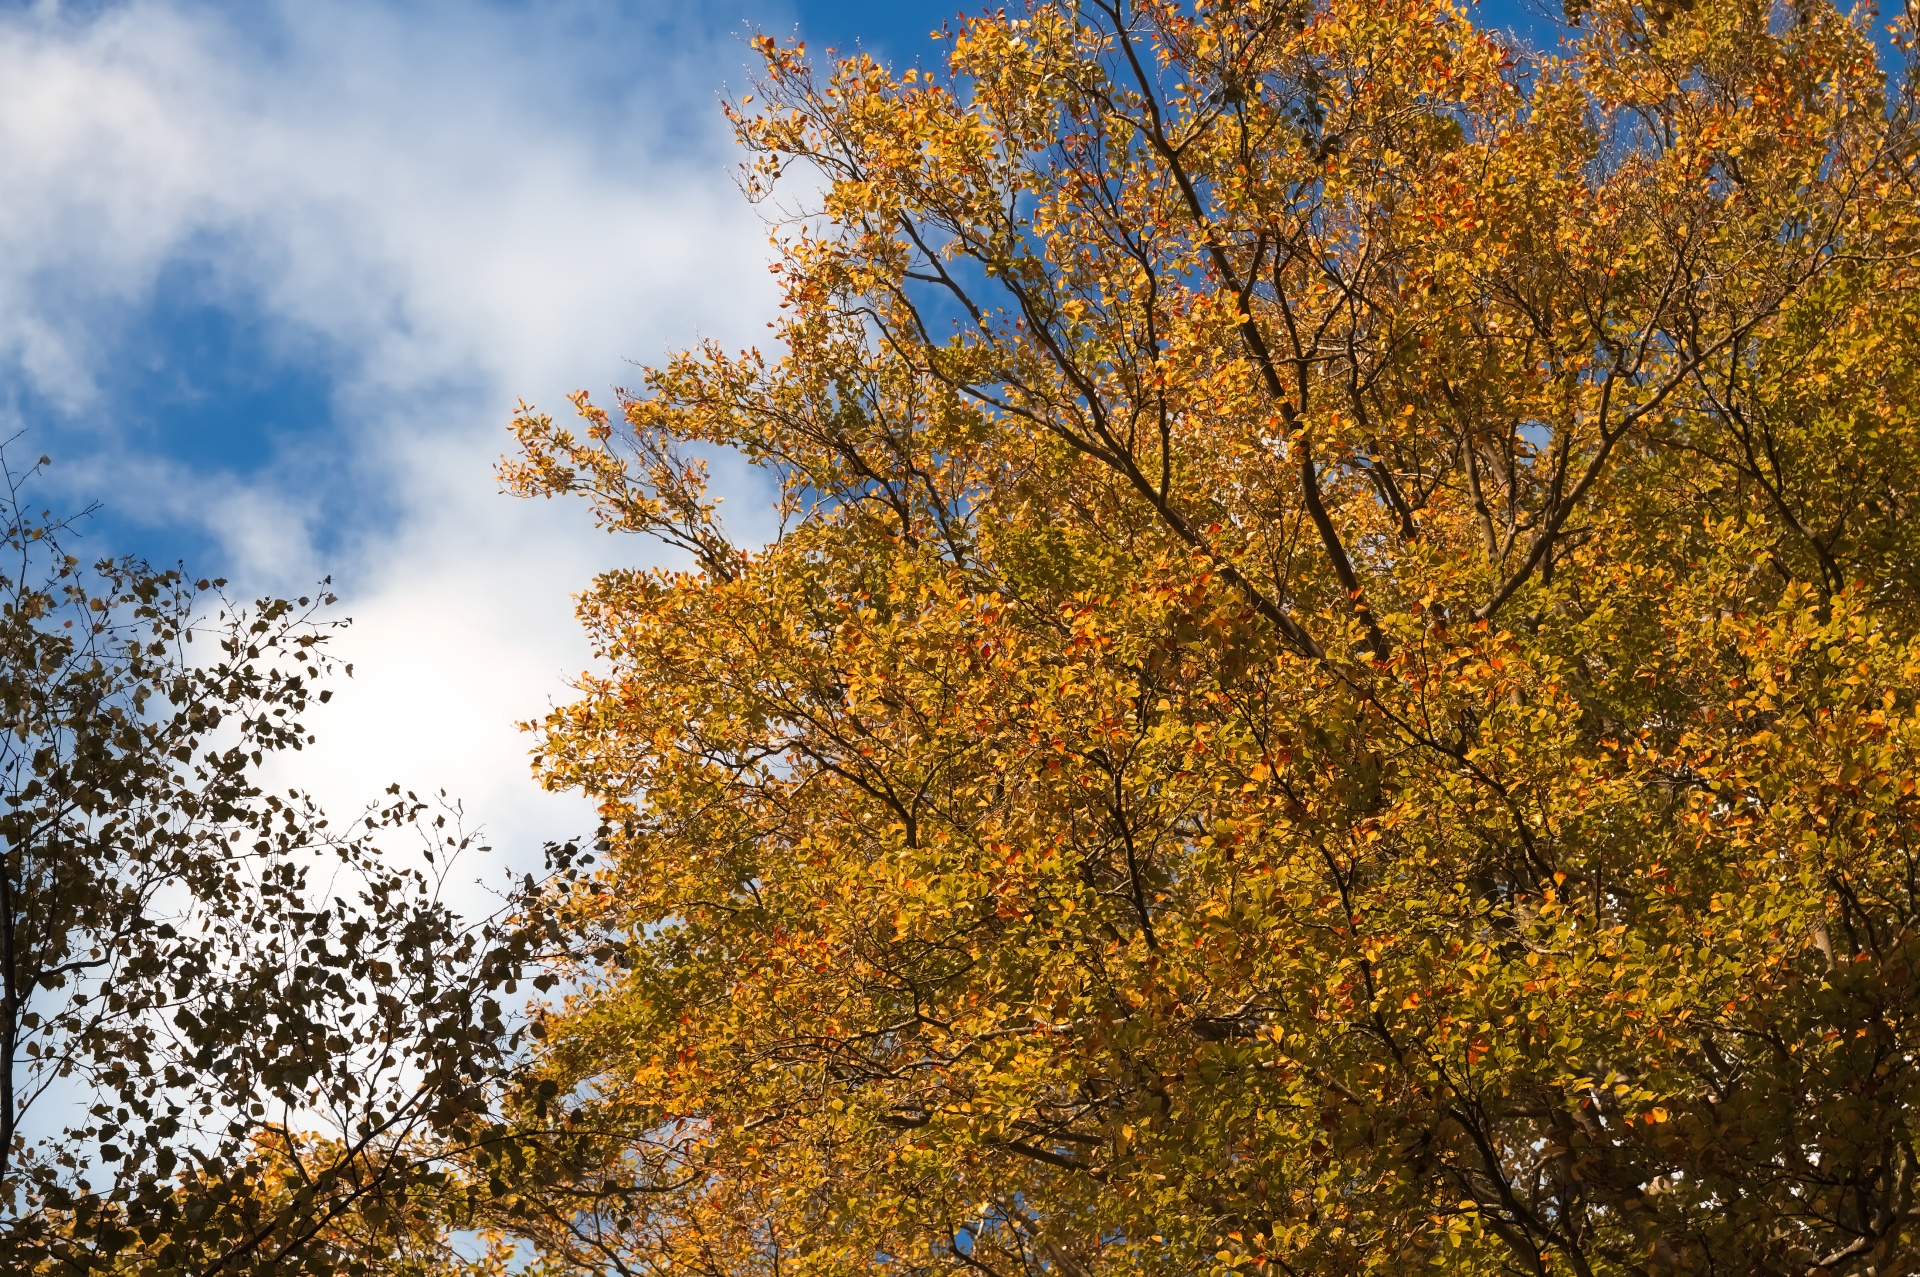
{"points": [[1338, 688], [233, 1037]]}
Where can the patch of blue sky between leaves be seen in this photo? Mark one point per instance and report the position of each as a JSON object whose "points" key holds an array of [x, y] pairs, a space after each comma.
{"points": [[896, 31]]}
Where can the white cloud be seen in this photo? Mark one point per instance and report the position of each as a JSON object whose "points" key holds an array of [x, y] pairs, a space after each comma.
{"points": [[460, 205]]}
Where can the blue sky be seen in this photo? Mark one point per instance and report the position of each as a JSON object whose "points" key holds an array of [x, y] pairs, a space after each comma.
{"points": [[273, 274], [196, 364]]}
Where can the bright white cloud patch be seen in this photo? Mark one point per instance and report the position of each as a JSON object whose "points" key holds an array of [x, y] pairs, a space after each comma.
{"points": [[453, 206]]}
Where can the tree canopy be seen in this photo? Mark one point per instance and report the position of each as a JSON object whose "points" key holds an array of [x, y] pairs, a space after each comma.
{"points": [[234, 1038], [1337, 691]]}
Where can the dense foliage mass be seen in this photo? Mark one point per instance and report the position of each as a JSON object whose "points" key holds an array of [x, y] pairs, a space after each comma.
{"points": [[1339, 690]]}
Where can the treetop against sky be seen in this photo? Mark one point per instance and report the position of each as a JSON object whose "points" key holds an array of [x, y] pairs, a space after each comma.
{"points": [[275, 276], [1307, 666]]}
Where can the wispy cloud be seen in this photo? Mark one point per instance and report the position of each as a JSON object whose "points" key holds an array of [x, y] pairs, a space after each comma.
{"points": [[428, 210]]}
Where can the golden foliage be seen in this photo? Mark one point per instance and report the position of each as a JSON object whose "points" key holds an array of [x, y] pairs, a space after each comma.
{"points": [[1337, 691]]}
